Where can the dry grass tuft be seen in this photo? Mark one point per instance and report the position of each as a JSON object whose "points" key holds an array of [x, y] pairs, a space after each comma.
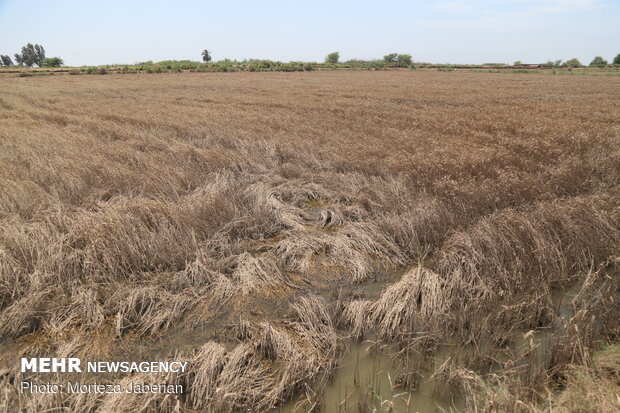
{"points": [[149, 310], [416, 303]]}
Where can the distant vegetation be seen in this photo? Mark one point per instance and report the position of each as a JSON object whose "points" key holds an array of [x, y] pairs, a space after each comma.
{"points": [[248, 65], [332, 58], [574, 62], [31, 55], [401, 59], [34, 55], [52, 62], [5, 60], [598, 61], [262, 65]]}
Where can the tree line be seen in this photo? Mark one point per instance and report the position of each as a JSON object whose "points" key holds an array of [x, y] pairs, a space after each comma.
{"points": [[34, 54], [574, 62], [399, 59], [31, 54]]}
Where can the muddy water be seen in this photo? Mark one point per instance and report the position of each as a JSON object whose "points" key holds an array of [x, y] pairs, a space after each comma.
{"points": [[533, 350], [367, 378], [366, 381]]}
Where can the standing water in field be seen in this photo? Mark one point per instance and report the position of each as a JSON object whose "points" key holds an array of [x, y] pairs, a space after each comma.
{"points": [[367, 381]]}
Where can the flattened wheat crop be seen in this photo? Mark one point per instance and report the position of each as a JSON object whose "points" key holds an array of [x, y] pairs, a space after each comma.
{"points": [[295, 213]]}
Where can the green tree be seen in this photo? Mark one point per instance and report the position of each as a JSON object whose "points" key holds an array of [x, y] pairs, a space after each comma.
{"points": [[557, 63], [553, 63], [52, 62], [390, 58], [404, 59], [617, 59], [332, 58], [206, 55], [574, 62], [40, 54], [5, 60], [598, 61], [31, 55]]}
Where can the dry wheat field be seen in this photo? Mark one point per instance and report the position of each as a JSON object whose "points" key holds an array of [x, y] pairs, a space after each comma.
{"points": [[463, 226]]}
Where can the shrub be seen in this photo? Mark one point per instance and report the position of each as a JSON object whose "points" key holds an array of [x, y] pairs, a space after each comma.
{"points": [[398, 60], [309, 67], [574, 62], [551, 63], [404, 59], [52, 62], [378, 64], [102, 71], [390, 58], [332, 58], [75, 71], [598, 61], [617, 59]]}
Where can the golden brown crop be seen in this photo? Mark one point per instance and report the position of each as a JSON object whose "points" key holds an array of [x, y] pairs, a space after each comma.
{"points": [[141, 206]]}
